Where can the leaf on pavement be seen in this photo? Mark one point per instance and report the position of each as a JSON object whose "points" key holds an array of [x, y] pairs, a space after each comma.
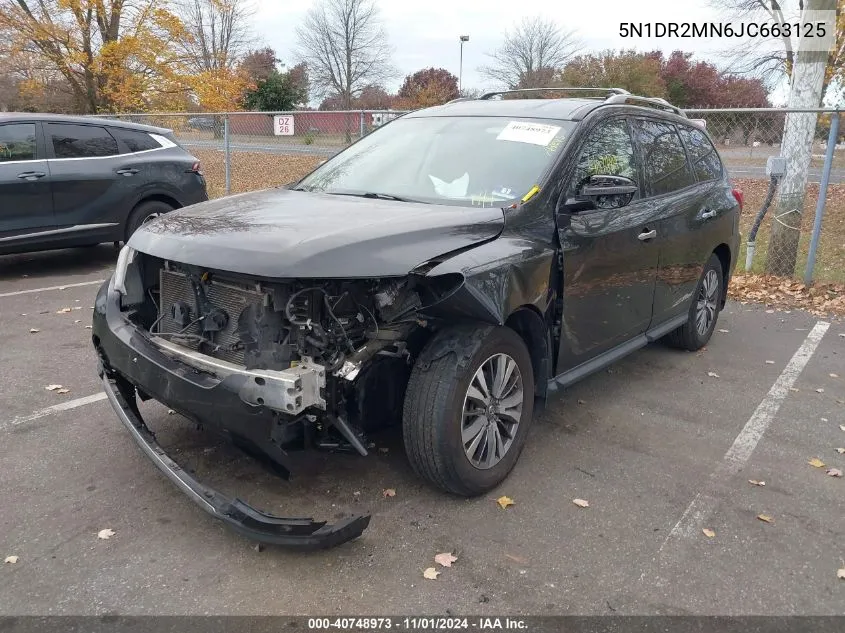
{"points": [[582, 402], [834, 472], [504, 502], [446, 559], [581, 503], [794, 389], [88, 327], [840, 450], [62, 391], [11, 560], [842, 427], [431, 573], [834, 375], [816, 463], [840, 573], [52, 387], [63, 311], [723, 331], [106, 533], [712, 374], [516, 559], [388, 492], [754, 482], [708, 532], [765, 518], [819, 390], [77, 321], [34, 330], [770, 362]]}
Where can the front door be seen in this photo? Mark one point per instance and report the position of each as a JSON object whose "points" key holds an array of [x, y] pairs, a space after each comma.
{"points": [[26, 204], [610, 255]]}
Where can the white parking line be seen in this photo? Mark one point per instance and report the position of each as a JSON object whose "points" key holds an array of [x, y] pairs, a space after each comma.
{"points": [[34, 290], [56, 408], [705, 502]]}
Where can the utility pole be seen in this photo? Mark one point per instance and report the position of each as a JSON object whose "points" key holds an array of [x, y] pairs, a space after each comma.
{"points": [[464, 38], [798, 137]]}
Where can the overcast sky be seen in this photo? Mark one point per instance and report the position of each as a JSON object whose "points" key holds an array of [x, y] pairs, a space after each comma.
{"points": [[425, 33]]}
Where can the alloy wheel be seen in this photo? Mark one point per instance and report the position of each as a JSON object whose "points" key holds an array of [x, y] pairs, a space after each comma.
{"points": [[708, 297]]}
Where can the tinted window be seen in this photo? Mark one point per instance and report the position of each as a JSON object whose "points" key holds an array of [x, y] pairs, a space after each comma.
{"points": [[135, 141], [17, 142], [664, 159], [81, 141], [608, 151], [705, 160]]}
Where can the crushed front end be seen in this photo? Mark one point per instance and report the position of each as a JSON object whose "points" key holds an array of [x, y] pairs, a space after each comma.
{"points": [[275, 365]]}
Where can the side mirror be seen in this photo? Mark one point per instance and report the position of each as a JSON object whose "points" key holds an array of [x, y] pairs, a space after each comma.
{"points": [[607, 192]]}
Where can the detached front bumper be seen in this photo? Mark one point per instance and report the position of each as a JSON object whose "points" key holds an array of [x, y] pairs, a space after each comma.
{"points": [[112, 333]]}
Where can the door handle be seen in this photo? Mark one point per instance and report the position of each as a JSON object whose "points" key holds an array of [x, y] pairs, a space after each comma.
{"points": [[645, 236], [127, 172], [708, 214], [31, 175]]}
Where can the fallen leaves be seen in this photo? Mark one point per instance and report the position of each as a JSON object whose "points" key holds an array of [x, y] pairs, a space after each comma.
{"points": [[34, 330], [840, 450], [834, 472], [581, 503], [770, 362], [712, 374], [708, 532], [840, 573], [819, 390], [53, 387], [765, 518], [431, 573], [388, 492], [842, 427], [446, 559], [832, 375], [504, 502], [62, 391], [754, 482], [105, 534], [816, 463], [11, 560], [723, 331], [63, 311], [781, 293]]}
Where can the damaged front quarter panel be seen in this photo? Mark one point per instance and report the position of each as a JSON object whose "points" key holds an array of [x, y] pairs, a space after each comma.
{"points": [[498, 278]]}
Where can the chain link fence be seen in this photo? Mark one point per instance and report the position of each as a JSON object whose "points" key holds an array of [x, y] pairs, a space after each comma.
{"points": [[245, 151]]}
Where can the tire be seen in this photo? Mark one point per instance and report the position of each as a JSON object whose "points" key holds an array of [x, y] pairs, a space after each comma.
{"points": [[706, 301], [144, 212], [435, 401]]}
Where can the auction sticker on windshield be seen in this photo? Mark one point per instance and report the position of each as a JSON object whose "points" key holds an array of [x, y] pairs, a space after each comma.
{"points": [[523, 132]]}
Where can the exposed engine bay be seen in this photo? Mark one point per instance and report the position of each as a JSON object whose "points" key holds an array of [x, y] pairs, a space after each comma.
{"points": [[330, 358]]}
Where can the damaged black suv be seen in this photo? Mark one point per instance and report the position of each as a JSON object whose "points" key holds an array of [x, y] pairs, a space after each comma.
{"points": [[443, 273]]}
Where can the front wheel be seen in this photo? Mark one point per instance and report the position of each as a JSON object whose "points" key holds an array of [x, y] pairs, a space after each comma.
{"points": [[704, 309], [468, 406]]}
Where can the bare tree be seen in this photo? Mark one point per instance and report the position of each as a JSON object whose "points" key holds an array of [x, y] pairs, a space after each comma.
{"points": [[531, 54], [218, 33], [806, 90], [345, 47]]}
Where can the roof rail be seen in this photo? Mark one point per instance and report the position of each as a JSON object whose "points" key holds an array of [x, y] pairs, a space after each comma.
{"points": [[654, 102], [611, 91]]}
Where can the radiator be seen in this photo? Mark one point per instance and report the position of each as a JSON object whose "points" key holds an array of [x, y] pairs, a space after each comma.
{"points": [[175, 286]]}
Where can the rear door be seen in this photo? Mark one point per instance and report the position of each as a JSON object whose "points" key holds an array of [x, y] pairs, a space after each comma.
{"points": [[609, 256], [26, 204], [681, 200], [88, 192]]}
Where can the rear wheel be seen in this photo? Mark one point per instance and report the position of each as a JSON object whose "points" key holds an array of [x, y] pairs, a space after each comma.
{"points": [[145, 212], [468, 406], [704, 309]]}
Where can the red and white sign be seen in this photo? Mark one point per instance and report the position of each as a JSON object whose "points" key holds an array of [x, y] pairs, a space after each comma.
{"points": [[283, 125]]}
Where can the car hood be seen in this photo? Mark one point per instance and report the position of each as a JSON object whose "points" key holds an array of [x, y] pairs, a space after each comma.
{"points": [[283, 233]]}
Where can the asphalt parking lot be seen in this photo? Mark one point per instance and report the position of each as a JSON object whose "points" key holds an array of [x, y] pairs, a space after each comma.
{"points": [[662, 446]]}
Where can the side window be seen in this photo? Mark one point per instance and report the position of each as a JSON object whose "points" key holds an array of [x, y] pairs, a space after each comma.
{"points": [[664, 159], [134, 140], [608, 151], [705, 160], [81, 141], [17, 142]]}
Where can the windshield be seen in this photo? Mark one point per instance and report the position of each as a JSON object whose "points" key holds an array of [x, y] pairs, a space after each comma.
{"points": [[445, 160]]}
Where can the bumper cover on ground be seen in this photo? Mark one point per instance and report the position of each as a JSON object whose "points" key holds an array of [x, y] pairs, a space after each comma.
{"points": [[252, 523]]}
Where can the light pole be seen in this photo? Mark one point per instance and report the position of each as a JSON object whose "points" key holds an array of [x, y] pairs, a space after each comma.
{"points": [[464, 38]]}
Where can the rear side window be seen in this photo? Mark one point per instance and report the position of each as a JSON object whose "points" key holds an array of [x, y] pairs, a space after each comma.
{"points": [[705, 160], [664, 159], [81, 141], [17, 142], [134, 140]]}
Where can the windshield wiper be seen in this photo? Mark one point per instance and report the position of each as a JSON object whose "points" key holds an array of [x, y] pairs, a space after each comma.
{"points": [[374, 195]]}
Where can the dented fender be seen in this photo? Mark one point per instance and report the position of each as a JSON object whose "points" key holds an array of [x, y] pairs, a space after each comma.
{"points": [[499, 277]]}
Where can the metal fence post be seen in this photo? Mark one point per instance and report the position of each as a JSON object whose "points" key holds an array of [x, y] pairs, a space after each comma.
{"points": [[361, 131], [820, 204], [227, 154]]}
